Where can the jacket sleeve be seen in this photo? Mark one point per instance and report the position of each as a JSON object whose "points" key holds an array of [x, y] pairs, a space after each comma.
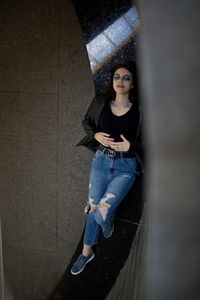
{"points": [[88, 122], [136, 145]]}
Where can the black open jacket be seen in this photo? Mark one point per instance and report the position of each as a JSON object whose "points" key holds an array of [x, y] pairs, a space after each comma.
{"points": [[90, 124]]}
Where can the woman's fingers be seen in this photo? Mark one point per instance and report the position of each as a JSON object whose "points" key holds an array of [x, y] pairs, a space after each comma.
{"points": [[105, 139], [101, 137], [115, 146], [109, 140], [104, 134], [120, 146], [123, 138]]}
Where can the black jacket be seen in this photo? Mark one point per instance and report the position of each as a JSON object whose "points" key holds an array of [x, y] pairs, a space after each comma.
{"points": [[90, 124]]}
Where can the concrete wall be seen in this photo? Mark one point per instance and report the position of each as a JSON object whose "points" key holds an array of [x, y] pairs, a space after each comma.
{"points": [[45, 87], [1, 268], [170, 73]]}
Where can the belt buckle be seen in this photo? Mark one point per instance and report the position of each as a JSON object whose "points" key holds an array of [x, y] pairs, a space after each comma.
{"points": [[111, 153]]}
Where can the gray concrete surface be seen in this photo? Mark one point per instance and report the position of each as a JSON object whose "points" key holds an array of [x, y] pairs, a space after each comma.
{"points": [[45, 87], [1, 268], [170, 74]]}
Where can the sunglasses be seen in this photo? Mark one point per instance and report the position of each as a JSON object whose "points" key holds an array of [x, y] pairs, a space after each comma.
{"points": [[122, 78]]}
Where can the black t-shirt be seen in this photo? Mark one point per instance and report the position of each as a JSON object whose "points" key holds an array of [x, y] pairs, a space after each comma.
{"points": [[126, 124]]}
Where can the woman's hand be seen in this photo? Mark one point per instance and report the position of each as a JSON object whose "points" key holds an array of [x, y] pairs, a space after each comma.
{"points": [[121, 146], [103, 138]]}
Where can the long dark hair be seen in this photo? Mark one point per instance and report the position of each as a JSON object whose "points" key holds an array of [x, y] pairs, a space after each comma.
{"points": [[132, 68]]}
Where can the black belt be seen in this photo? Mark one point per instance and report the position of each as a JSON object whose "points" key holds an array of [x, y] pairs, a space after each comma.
{"points": [[113, 153]]}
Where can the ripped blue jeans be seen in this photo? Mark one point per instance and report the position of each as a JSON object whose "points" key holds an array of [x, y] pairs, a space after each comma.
{"points": [[110, 180]]}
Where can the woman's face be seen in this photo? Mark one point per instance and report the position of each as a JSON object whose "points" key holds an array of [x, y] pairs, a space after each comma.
{"points": [[122, 81]]}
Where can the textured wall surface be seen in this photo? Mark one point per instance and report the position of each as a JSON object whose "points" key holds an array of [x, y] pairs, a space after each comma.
{"points": [[45, 87], [1, 268], [170, 66]]}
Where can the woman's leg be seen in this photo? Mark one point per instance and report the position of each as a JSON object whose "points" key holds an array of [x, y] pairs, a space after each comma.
{"points": [[97, 180], [124, 175], [87, 249], [97, 186], [91, 233], [121, 174]]}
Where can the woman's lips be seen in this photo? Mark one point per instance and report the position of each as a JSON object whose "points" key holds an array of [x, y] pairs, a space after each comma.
{"points": [[120, 86]]}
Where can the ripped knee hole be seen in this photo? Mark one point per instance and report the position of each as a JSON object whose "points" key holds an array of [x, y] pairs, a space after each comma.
{"points": [[103, 205]]}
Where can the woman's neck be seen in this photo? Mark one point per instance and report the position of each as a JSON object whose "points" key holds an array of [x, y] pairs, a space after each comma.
{"points": [[122, 99]]}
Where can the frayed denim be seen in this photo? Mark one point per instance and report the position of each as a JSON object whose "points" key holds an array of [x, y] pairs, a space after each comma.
{"points": [[110, 180]]}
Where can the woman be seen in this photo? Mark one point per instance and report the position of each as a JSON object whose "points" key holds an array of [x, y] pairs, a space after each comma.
{"points": [[112, 123]]}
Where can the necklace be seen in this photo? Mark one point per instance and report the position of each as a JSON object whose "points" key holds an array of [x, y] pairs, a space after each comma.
{"points": [[120, 106]]}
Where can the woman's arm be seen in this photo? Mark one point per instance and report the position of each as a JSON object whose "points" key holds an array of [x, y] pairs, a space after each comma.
{"points": [[137, 144], [91, 119], [88, 122]]}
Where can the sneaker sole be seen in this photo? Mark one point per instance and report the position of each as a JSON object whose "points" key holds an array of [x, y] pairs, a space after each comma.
{"points": [[76, 273]]}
